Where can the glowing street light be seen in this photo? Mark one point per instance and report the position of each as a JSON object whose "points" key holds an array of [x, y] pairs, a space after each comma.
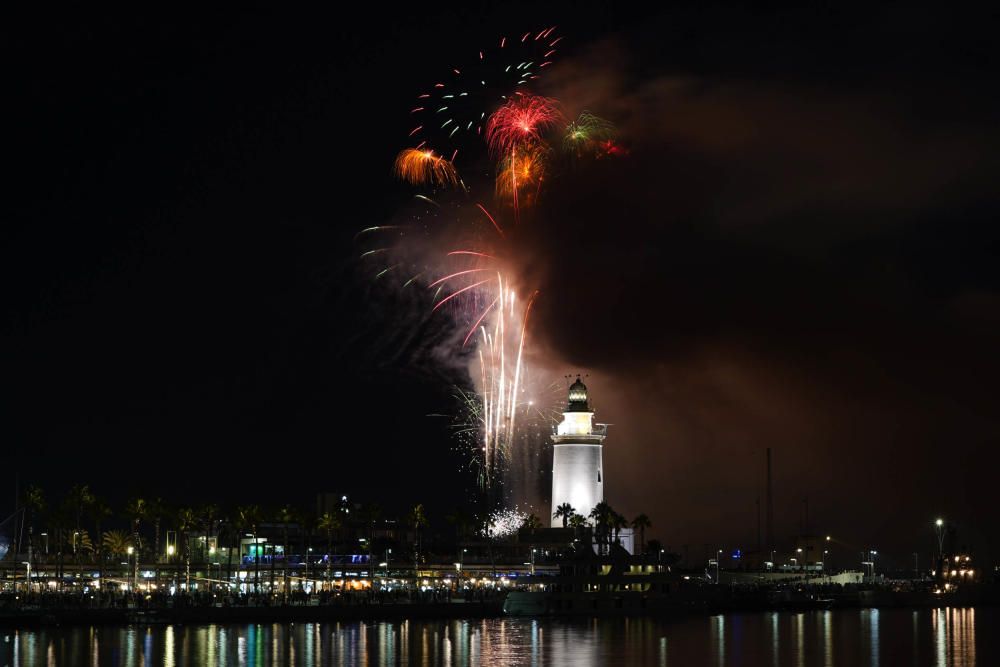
{"points": [[939, 529]]}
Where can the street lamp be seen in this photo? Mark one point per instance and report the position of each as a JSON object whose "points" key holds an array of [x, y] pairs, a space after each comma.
{"points": [[825, 552], [939, 529], [798, 551], [131, 579], [718, 559]]}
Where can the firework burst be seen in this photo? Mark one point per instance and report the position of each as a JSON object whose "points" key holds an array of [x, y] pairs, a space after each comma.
{"points": [[522, 120], [587, 133], [423, 167], [505, 523], [520, 174]]}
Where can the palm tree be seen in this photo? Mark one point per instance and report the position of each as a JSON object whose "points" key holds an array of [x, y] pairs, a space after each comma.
{"points": [[285, 516], [577, 521], [249, 517], [307, 520], [59, 521], [329, 523], [99, 511], [532, 523], [156, 509], [641, 523], [564, 511], [462, 522], [369, 516], [137, 510], [83, 543], [186, 519], [208, 514], [601, 514], [617, 523], [33, 502], [116, 542], [418, 519], [78, 500]]}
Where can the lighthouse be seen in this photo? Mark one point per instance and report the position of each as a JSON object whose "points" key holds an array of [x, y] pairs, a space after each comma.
{"points": [[577, 459]]}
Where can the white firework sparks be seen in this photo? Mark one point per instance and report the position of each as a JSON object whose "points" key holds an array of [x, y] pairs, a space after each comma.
{"points": [[506, 522]]}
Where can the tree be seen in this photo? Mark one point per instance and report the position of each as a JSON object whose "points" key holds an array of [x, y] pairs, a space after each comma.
{"points": [[307, 520], [418, 519], [329, 523], [59, 521], [617, 523], [577, 521], [185, 520], [99, 511], [83, 543], [462, 521], [116, 542], [564, 511], [601, 514], [369, 516], [208, 515], [78, 501], [286, 515], [532, 523], [156, 509], [248, 517], [33, 502], [641, 523], [137, 510]]}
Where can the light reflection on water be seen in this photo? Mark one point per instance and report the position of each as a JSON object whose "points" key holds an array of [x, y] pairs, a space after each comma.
{"points": [[855, 637]]}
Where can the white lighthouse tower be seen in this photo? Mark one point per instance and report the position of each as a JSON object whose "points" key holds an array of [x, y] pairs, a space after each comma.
{"points": [[577, 459]]}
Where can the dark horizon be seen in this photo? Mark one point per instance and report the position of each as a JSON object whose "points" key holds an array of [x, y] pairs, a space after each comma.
{"points": [[798, 252]]}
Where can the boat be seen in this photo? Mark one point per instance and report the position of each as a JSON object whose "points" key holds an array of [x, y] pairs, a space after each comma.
{"points": [[608, 586]]}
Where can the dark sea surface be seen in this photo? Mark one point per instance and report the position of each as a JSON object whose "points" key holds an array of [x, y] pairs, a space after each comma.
{"points": [[888, 637]]}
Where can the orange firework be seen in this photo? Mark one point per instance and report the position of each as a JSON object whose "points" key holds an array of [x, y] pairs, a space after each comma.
{"points": [[521, 172], [423, 167]]}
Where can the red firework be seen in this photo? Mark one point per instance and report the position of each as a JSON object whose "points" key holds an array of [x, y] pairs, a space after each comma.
{"points": [[521, 120]]}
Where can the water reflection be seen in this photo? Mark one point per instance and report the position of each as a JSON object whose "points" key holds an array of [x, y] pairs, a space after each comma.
{"points": [[936, 636]]}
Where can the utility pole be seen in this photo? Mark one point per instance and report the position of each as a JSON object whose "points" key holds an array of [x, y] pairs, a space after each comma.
{"points": [[758, 523], [769, 509]]}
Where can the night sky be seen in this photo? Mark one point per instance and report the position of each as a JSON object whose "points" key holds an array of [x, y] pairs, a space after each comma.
{"points": [[798, 252]]}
